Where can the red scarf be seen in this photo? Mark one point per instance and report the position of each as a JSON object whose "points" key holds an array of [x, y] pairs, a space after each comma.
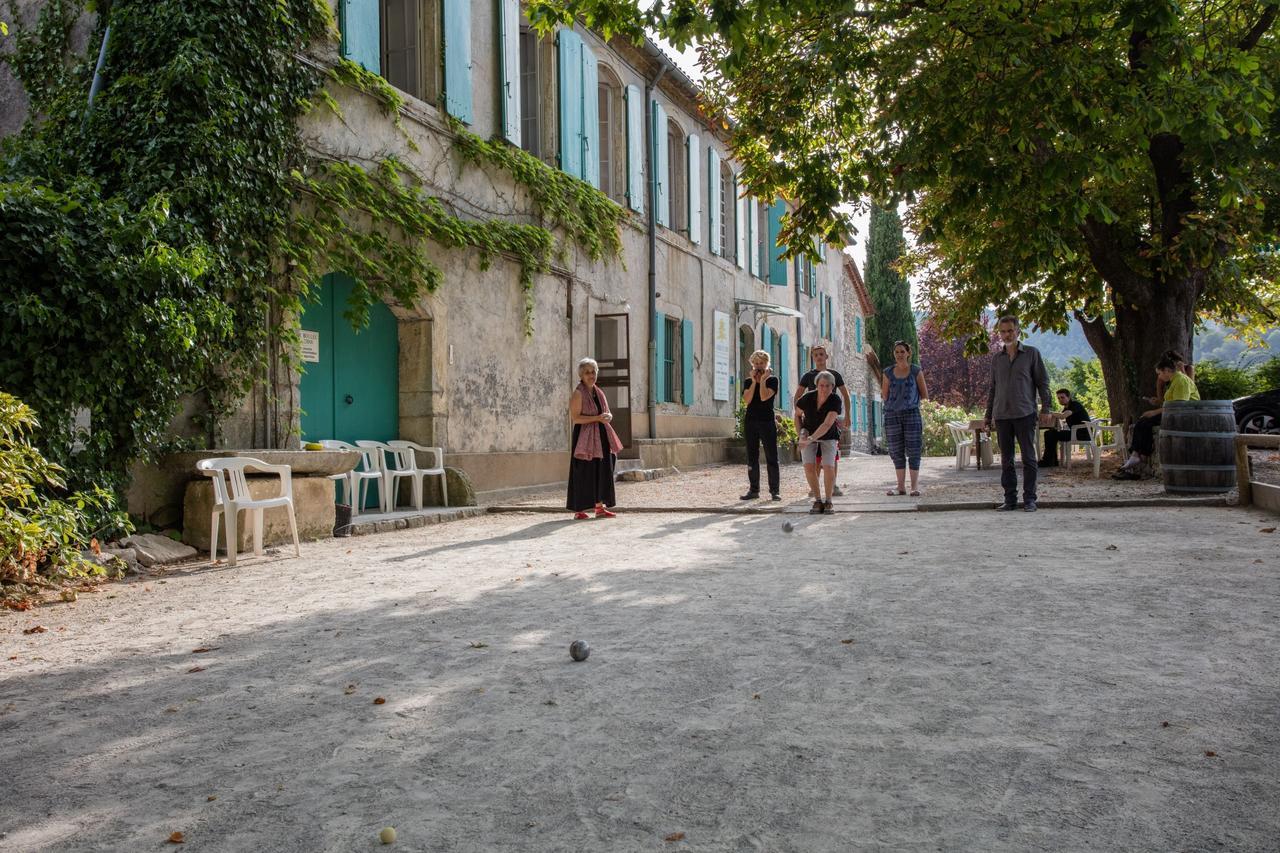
{"points": [[588, 446]]}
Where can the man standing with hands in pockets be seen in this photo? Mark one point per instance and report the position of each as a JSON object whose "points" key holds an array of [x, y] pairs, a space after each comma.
{"points": [[1018, 375]]}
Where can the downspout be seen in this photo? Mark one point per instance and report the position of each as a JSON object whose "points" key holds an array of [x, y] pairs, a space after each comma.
{"points": [[96, 85], [651, 191]]}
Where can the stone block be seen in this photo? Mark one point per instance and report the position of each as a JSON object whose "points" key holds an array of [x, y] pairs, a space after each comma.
{"points": [[153, 549], [312, 504]]}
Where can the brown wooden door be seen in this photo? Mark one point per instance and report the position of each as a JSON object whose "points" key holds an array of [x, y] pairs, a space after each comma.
{"points": [[613, 352]]}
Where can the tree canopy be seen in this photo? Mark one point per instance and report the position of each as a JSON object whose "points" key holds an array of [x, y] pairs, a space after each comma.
{"points": [[1115, 160]]}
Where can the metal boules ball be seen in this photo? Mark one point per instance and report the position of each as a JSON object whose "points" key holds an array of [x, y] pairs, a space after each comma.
{"points": [[579, 650], [788, 527]]}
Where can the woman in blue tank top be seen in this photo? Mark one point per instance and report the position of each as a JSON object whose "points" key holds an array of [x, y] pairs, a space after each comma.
{"points": [[902, 388]]}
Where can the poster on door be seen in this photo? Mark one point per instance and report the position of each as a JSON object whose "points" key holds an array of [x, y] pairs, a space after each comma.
{"points": [[310, 346], [723, 343]]}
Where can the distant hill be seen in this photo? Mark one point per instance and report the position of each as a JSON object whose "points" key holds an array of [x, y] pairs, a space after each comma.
{"points": [[1214, 342]]}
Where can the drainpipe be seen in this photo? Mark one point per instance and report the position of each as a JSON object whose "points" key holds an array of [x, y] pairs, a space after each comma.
{"points": [[651, 191], [97, 71]]}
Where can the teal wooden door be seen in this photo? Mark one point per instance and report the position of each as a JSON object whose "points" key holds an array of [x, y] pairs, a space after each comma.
{"points": [[350, 379]]}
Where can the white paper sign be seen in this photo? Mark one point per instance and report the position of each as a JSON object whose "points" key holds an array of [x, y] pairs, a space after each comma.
{"points": [[724, 346], [310, 346]]}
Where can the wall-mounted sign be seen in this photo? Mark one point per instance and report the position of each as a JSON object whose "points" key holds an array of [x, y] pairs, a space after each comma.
{"points": [[310, 346], [724, 346]]}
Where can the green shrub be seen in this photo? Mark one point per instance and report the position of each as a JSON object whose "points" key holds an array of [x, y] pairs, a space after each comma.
{"points": [[787, 434], [42, 535], [1084, 380], [937, 437], [1218, 381], [1267, 374]]}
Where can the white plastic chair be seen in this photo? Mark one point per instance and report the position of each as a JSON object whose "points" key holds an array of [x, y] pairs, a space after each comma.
{"points": [[964, 445], [1085, 437], [1117, 442], [353, 481], [406, 461], [231, 494], [372, 467]]}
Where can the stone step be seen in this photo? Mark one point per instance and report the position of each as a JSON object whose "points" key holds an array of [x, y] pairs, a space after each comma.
{"points": [[638, 475]]}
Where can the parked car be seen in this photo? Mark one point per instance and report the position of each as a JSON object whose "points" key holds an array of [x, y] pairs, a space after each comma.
{"points": [[1259, 413]]}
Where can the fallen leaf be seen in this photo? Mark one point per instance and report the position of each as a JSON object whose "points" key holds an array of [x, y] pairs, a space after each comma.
{"points": [[36, 629], [479, 645], [846, 642], [379, 701], [204, 649], [1209, 753], [171, 710], [1165, 724], [755, 695], [195, 669], [94, 546], [210, 798], [177, 838], [13, 657], [1112, 548], [351, 688], [1266, 530], [675, 836]]}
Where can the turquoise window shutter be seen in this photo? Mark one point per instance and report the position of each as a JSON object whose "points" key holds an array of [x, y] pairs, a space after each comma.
{"points": [[569, 60], [777, 266], [694, 160], [635, 148], [686, 353], [797, 269], [739, 225], [362, 34], [661, 192], [766, 339], [590, 118], [813, 278], [753, 253], [509, 52], [784, 372], [713, 202], [660, 355], [457, 58], [857, 334], [822, 318]]}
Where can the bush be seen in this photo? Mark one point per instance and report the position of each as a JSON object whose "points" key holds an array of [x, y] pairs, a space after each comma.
{"points": [[937, 437], [787, 434], [1084, 380], [1218, 381], [1267, 374], [42, 535]]}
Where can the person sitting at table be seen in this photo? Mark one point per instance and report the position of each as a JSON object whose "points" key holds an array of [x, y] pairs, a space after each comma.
{"points": [[1177, 387], [1074, 414]]}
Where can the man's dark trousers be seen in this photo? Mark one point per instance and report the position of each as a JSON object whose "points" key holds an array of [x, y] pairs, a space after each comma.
{"points": [[1024, 430], [765, 432]]}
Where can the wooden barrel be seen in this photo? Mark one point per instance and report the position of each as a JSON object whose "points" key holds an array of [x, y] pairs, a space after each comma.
{"points": [[1197, 446]]}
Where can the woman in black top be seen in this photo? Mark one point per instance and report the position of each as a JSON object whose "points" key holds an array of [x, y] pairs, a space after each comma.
{"points": [[759, 391], [818, 416]]}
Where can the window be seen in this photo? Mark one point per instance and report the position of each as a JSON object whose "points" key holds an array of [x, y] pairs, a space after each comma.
{"points": [[530, 93], [775, 358], [762, 239], [613, 140], [673, 361], [677, 177], [728, 213], [411, 47]]}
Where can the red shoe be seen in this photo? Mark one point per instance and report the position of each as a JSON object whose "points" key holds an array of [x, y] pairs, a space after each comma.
{"points": [[601, 512], [580, 516]]}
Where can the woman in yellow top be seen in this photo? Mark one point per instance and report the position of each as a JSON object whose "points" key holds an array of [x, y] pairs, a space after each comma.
{"points": [[1177, 386]]}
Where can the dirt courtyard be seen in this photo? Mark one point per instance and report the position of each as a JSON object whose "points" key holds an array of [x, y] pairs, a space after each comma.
{"points": [[1070, 680]]}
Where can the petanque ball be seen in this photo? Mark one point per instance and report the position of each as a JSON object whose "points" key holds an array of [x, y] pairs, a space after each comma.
{"points": [[787, 527], [388, 835], [579, 650]]}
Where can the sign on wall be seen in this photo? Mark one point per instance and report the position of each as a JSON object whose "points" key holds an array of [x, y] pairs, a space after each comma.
{"points": [[724, 346], [310, 346]]}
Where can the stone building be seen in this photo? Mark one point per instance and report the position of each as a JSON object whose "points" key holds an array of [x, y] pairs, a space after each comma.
{"points": [[857, 361]]}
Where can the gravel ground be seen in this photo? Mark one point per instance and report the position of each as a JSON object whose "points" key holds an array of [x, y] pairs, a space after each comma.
{"points": [[907, 681]]}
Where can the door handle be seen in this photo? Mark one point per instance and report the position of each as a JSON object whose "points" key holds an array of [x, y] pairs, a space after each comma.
{"points": [[349, 399]]}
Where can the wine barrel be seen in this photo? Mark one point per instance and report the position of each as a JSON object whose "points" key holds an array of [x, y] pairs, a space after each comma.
{"points": [[1197, 446]]}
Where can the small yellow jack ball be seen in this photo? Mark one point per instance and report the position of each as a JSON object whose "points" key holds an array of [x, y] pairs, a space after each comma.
{"points": [[388, 835]]}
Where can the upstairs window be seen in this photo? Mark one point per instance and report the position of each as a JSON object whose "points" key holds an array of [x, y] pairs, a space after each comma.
{"points": [[677, 178], [530, 92], [613, 139], [728, 213]]}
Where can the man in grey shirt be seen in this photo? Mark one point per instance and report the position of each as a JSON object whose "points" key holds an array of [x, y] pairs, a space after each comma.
{"points": [[1017, 376]]}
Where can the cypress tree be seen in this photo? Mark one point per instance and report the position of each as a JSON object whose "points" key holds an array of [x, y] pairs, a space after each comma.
{"points": [[891, 293]]}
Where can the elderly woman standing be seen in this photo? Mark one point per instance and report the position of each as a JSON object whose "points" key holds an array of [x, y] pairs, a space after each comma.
{"points": [[902, 388], [818, 414], [595, 446], [758, 425]]}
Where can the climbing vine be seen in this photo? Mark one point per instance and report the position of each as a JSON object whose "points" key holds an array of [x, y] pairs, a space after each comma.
{"points": [[163, 242]]}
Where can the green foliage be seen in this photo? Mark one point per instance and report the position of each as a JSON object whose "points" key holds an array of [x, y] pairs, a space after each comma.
{"points": [[788, 436], [1268, 374], [890, 291], [1218, 381], [41, 536], [1085, 381], [937, 436]]}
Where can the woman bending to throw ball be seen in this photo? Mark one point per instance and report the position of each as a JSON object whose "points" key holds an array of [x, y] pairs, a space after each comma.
{"points": [[818, 415], [595, 446]]}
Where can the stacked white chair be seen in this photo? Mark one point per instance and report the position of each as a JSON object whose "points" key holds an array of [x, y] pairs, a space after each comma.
{"points": [[964, 444], [231, 494], [406, 467], [371, 470]]}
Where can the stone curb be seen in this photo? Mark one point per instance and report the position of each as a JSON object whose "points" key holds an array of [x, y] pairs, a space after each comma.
{"points": [[1081, 504], [963, 506], [362, 527]]}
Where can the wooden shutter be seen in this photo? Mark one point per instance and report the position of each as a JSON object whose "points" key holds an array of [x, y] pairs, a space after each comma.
{"points": [[784, 371], [686, 355], [693, 156], [660, 356], [590, 123], [753, 220], [857, 334], [362, 33], [777, 266], [713, 202], [740, 224], [661, 192], [569, 60], [509, 52], [457, 58], [635, 148]]}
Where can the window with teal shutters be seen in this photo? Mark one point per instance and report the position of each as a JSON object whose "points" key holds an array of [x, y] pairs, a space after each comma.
{"points": [[635, 148], [798, 267], [715, 239], [813, 277], [456, 16], [753, 225], [590, 122], [686, 354], [661, 164], [569, 68], [739, 225], [659, 351], [822, 318], [693, 147], [509, 53], [362, 33], [766, 340], [784, 371], [777, 265]]}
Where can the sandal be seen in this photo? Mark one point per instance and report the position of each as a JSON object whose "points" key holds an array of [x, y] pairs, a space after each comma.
{"points": [[579, 516], [601, 512], [817, 507], [915, 493], [828, 507], [893, 493]]}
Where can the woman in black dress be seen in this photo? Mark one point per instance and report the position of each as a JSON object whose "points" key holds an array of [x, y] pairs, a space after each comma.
{"points": [[595, 447]]}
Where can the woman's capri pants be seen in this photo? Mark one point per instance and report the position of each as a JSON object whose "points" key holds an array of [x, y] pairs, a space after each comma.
{"points": [[905, 433]]}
